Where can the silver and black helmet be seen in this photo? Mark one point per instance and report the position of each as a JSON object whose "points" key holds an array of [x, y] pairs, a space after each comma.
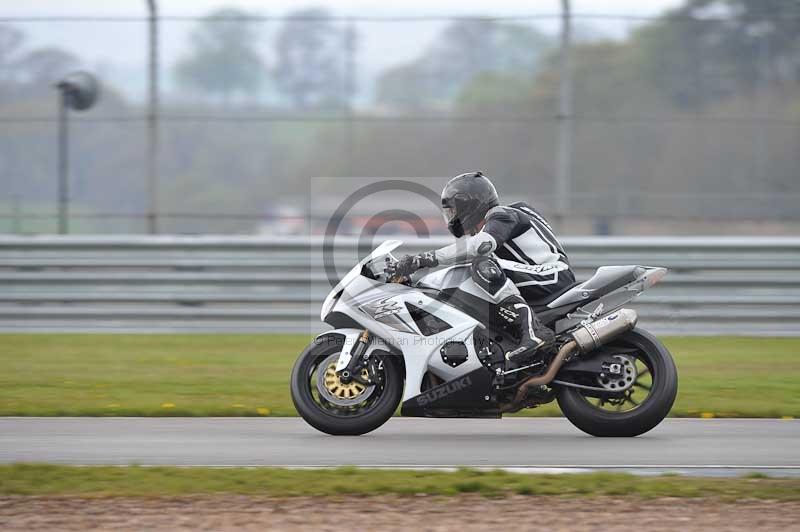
{"points": [[465, 201]]}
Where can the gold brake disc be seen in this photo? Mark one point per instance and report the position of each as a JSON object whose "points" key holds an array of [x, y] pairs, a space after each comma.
{"points": [[338, 389]]}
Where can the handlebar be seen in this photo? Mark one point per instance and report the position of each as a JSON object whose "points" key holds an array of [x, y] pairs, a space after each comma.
{"points": [[390, 271]]}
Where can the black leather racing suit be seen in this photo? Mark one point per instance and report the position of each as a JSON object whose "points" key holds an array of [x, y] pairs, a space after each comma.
{"points": [[523, 244]]}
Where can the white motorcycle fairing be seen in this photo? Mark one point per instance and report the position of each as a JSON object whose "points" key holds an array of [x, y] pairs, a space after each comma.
{"points": [[385, 310]]}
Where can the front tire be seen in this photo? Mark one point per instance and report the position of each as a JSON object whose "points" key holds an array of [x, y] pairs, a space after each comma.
{"points": [[663, 388], [345, 415]]}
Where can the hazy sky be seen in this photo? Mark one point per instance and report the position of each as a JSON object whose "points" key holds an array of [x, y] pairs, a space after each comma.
{"points": [[348, 7], [117, 50]]}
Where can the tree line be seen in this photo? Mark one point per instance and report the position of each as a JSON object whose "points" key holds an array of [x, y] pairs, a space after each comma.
{"points": [[694, 114]]}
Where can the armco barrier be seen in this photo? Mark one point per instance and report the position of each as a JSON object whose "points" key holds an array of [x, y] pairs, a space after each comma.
{"points": [[730, 285]]}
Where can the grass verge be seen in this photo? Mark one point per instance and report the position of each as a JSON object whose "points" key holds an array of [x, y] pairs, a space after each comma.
{"points": [[247, 375], [35, 479]]}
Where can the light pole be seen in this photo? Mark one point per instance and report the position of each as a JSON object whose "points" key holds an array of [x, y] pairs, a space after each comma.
{"points": [[564, 160], [152, 122], [77, 91]]}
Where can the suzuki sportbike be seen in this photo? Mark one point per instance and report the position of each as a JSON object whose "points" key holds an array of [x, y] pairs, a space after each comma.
{"points": [[426, 343]]}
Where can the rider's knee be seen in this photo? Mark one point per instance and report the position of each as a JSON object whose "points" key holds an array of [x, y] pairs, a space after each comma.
{"points": [[488, 274], [491, 278]]}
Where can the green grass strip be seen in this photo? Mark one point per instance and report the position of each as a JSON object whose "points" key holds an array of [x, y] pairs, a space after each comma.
{"points": [[248, 375], [99, 481]]}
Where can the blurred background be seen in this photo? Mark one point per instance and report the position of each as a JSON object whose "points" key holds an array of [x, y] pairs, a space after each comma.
{"points": [[231, 135], [676, 117]]}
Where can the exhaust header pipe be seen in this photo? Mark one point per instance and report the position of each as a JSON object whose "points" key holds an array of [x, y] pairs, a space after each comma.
{"points": [[587, 338], [592, 335]]}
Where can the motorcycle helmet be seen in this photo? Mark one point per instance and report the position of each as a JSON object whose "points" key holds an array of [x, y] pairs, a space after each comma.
{"points": [[465, 201]]}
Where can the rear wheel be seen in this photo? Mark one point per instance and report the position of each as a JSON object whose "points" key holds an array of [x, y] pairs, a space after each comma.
{"points": [[637, 400], [338, 408]]}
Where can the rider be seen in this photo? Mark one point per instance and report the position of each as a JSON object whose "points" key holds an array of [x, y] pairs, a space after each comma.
{"points": [[515, 237]]}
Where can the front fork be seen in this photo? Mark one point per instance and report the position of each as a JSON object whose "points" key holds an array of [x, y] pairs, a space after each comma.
{"points": [[352, 361]]}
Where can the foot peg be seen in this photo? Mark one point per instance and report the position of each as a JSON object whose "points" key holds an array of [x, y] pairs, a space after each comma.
{"points": [[527, 349]]}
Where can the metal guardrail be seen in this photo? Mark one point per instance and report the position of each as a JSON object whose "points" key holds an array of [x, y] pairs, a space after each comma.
{"points": [[717, 285]]}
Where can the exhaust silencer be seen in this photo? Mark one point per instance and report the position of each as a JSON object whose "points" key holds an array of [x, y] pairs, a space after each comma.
{"points": [[587, 338], [592, 335]]}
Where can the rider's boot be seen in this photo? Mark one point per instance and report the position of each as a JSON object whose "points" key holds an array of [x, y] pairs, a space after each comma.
{"points": [[516, 311]]}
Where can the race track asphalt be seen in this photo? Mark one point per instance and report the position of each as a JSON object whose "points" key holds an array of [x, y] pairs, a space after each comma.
{"points": [[693, 446]]}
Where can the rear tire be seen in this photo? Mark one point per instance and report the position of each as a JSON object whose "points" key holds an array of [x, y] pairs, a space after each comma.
{"points": [[645, 416], [345, 421]]}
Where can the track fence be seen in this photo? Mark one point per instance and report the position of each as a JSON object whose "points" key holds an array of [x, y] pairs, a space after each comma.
{"points": [[206, 284]]}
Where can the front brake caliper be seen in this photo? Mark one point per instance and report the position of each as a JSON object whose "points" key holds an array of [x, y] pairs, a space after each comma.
{"points": [[357, 360]]}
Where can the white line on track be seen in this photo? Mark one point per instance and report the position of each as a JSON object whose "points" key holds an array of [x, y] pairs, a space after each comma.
{"points": [[639, 470]]}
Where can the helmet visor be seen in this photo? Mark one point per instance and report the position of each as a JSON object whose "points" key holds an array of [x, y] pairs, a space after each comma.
{"points": [[449, 214]]}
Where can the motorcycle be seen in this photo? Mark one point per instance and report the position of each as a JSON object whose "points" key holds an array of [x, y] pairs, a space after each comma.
{"points": [[426, 343]]}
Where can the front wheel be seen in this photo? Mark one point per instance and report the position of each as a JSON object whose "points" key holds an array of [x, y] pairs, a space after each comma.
{"points": [[635, 402], [344, 409]]}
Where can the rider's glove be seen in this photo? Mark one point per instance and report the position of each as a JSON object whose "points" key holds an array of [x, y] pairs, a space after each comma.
{"points": [[411, 263]]}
